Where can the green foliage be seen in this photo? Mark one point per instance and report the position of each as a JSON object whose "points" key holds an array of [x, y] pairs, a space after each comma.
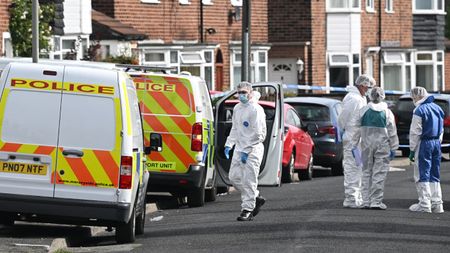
{"points": [[122, 59], [20, 26]]}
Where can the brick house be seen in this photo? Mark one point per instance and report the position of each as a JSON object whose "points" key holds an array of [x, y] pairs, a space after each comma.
{"points": [[199, 36], [331, 42]]}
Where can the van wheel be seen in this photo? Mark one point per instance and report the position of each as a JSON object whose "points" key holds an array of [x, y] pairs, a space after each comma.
{"points": [[210, 194], [307, 174], [196, 197], [140, 219], [287, 176], [125, 232]]}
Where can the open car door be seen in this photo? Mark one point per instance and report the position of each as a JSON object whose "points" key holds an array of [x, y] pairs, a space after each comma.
{"points": [[270, 170]]}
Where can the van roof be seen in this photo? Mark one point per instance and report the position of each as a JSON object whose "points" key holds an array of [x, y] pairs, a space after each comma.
{"points": [[103, 65]]}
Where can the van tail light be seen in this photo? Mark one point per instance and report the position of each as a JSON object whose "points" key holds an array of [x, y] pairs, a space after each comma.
{"points": [[126, 172], [197, 137], [327, 130], [447, 121]]}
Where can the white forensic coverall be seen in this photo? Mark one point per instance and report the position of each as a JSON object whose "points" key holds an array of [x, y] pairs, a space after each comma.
{"points": [[247, 134], [378, 138], [352, 104]]}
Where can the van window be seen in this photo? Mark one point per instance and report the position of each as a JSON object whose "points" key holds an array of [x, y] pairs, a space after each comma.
{"points": [[206, 101], [36, 124], [87, 122]]}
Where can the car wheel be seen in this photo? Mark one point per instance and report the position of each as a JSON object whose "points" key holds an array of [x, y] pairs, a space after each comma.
{"points": [[337, 169], [125, 232], [210, 194], [289, 171], [140, 219], [307, 174]]}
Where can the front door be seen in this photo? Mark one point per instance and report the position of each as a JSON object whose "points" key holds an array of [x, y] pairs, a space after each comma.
{"points": [[270, 170]]}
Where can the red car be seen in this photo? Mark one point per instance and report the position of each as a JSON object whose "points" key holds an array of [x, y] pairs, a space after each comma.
{"points": [[298, 147]]}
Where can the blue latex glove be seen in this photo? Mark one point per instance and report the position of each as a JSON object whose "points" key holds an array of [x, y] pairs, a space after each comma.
{"points": [[244, 157], [392, 155], [412, 154], [227, 152]]}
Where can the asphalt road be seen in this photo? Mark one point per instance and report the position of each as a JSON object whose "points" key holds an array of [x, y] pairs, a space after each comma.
{"points": [[300, 217]]}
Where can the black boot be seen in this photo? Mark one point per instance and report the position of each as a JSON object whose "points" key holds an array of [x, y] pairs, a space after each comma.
{"points": [[259, 203], [245, 216]]}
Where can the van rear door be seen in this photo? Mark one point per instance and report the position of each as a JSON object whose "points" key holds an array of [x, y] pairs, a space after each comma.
{"points": [[270, 170], [29, 120], [89, 150]]}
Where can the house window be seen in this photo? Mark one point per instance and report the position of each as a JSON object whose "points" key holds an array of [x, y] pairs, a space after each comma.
{"points": [[396, 71], [191, 58], [428, 6], [207, 2], [154, 57], [429, 70], [343, 69], [184, 2], [69, 47], [258, 67], [342, 5], [150, 1], [236, 2], [370, 7], [389, 6]]}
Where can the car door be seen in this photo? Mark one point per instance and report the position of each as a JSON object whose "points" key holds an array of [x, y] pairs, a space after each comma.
{"points": [[270, 169], [90, 142], [29, 120], [304, 141]]}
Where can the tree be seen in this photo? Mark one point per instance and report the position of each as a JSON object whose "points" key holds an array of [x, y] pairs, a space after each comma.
{"points": [[20, 26]]}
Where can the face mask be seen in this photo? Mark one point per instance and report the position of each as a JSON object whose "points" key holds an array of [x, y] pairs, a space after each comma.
{"points": [[243, 98]]}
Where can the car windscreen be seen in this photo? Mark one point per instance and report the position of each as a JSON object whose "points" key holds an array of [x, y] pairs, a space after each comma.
{"points": [[312, 112]]}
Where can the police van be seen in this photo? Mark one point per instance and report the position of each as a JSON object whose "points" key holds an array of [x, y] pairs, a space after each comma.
{"points": [[179, 108], [71, 148]]}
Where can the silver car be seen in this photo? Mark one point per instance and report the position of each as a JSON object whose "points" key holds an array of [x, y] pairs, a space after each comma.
{"points": [[321, 116]]}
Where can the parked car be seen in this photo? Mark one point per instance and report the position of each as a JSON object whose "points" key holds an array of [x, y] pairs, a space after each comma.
{"points": [[298, 145], [323, 114], [403, 111]]}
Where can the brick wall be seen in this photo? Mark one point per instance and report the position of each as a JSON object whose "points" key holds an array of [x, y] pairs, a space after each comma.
{"points": [[289, 20], [4, 20], [170, 21], [317, 54], [396, 29]]}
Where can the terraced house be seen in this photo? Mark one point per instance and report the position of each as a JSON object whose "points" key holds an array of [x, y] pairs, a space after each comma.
{"points": [[399, 42]]}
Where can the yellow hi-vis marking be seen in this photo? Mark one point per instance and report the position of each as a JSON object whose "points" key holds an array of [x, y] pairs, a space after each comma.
{"points": [[59, 86]]}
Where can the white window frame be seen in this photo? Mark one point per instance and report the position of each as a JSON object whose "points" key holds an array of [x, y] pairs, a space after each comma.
{"points": [[434, 7], [236, 3], [350, 8], [389, 61], [370, 6], [207, 2], [184, 2], [402, 63], [255, 64], [150, 1], [434, 63], [389, 6], [61, 52], [350, 65], [6, 39], [184, 61]]}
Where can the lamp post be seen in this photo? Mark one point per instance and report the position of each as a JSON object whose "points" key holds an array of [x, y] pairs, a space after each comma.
{"points": [[246, 32], [35, 30]]}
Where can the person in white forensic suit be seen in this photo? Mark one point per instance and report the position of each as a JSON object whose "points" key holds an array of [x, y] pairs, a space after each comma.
{"points": [[247, 135], [351, 105], [379, 141]]}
